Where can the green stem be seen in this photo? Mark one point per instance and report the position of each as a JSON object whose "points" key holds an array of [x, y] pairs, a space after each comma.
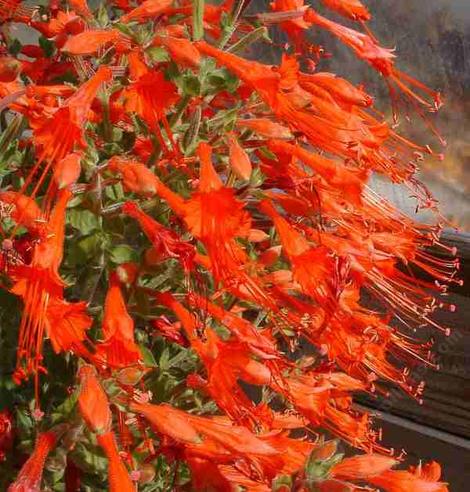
{"points": [[231, 27], [198, 19], [248, 39], [182, 105]]}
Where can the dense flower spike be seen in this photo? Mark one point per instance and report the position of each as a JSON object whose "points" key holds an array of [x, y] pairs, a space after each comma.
{"points": [[214, 214], [45, 311]]}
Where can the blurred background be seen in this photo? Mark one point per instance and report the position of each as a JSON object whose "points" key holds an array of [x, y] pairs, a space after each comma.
{"points": [[432, 40], [432, 43]]}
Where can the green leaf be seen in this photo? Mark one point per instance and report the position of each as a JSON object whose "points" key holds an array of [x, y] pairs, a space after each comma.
{"points": [[125, 29], [83, 220], [257, 178], [321, 461], [172, 71], [280, 483], [10, 134], [117, 134], [191, 86], [157, 54], [142, 302], [63, 411], [23, 419], [90, 458], [191, 134], [164, 359], [207, 66], [86, 248], [123, 254], [149, 359], [102, 16], [222, 79], [47, 46], [14, 47], [248, 39]]}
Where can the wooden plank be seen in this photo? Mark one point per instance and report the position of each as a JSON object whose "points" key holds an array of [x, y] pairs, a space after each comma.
{"points": [[446, 403], [422, 443]]}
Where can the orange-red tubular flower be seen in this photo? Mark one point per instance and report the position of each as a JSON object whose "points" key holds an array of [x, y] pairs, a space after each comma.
{"points": [[94, 407], [212, 214], [41, 288], [324, 123], [334, 172], [207, 435], [118, 347], [23, 210], [239, 160], [279, 89], [93, 402], [424, 478], [225, 364], [166, 243], [13, 10], [224, 444], [353, 9], [314, 268], [147, 10], [216, 217], [10, 68], [29, 478], [118, 476], [7, 433], [136, 177], [259, 343], [181, 50], [266, 128], [316, 140], [57, 136], [361, 467], [382, 59], [88, 42], [81, 8], [363, 45], [141, 98], [67, 171], [206, 475], [297, 25], [67, 324], [340, 89]]}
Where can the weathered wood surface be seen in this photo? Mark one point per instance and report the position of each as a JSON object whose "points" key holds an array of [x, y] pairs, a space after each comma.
{"points": [[446, 403], [424, 443]]}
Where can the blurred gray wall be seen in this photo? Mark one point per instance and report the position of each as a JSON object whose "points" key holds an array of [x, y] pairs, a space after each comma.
{"points": [[432, 42]]}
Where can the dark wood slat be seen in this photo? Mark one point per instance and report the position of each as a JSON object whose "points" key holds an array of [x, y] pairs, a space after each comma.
{"points": [[447, 396], [427, 444]]}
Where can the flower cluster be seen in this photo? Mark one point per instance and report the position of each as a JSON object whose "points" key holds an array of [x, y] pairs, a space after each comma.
{"points": [[192, 240]]}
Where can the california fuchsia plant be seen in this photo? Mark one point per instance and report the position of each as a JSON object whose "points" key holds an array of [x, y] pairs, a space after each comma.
{"points": [[187, 238]]}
